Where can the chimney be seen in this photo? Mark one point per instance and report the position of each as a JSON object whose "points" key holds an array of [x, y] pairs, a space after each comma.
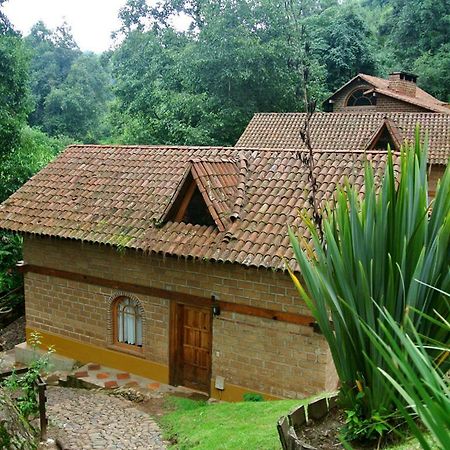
{"points": [[403, 83]]}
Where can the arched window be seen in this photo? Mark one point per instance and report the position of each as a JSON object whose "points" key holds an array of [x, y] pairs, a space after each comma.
{"points": [[127, 320], [358, 98]]}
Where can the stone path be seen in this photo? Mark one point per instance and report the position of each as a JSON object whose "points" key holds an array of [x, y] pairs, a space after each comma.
{"points": [[85, 420], [94, 375]]}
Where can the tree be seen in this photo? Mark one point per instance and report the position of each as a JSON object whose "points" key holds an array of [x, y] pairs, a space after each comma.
{"points": [[202, 86], [78, 107], [53, 53], [133, 16], [34, 150], [434, 72], [14, 95], [343, 42], [5, 24], [416, 27]]}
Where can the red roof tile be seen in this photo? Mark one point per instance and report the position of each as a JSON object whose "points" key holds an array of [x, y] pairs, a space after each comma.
{"points": [[118, 196], [347, 131]]}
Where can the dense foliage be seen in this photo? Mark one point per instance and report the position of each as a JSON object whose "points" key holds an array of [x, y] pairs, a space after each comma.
{"points": [[19, 399], [380, 253], [162, 85], [14, 104]]}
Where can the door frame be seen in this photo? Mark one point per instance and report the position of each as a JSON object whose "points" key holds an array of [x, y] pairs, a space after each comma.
{"points": [[175, 341]]}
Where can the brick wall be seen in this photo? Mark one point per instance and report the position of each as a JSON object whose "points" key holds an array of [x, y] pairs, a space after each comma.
{"points": [[389, 104], [277, 358], [435, 173], [403, 86]]}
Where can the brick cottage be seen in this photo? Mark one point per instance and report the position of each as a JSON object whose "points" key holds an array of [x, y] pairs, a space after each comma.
{"points": [[169, 262]]}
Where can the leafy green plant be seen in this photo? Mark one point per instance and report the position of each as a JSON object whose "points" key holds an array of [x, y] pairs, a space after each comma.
{"points": [[418, 379], [375, 248], [5, 438], [26, 384], [11, 293], [253, 397], [357, 427]]}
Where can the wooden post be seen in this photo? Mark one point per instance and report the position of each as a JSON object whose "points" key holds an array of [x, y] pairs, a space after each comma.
{"points": [[42, 410]]}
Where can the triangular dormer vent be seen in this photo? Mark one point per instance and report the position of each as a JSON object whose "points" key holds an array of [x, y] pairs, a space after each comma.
{"points": [[387, 134], [205, 195]]}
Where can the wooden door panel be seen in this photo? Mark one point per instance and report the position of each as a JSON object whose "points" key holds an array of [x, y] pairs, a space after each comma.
{"points": [[194, 352]]}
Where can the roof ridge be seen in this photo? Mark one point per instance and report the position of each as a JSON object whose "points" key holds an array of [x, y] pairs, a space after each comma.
{"points": [[352, 113], [167, 147], [241, 187], [228, 158]]}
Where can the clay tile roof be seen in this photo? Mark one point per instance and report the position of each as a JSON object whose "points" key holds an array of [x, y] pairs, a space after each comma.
{"points": [[217, 181], [347, 131], [381, 86], [117, 195]]}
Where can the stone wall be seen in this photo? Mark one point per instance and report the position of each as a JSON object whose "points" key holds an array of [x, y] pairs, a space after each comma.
{"points": [[277, 358]]}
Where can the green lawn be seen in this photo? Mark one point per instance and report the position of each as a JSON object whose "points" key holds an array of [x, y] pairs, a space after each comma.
{"points": [[222, 426], [231, 426]]}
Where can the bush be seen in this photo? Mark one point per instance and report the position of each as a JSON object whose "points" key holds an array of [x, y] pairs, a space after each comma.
{"points": [[19, 401], [11, 294], [253, 397], [35, 151], [375, 249]]}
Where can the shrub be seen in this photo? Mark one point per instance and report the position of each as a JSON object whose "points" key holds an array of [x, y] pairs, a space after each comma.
{"points": [[19, 401], [375, 249], [253, 397]]}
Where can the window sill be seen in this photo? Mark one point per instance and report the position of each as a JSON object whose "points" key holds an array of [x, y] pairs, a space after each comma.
{"points": [[128, 351]]}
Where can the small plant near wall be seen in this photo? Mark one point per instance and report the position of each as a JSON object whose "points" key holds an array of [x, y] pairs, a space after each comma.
{"points": [[253, 397], [18, 393], [379, 253]]}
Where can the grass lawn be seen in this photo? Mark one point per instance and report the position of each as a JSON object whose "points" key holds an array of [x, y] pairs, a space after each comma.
{"points": [[237, 426], [231, 426]]}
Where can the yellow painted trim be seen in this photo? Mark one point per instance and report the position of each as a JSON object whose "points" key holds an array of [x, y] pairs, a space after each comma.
{"points": [[137, 365], [85, 353], [234, 393]]}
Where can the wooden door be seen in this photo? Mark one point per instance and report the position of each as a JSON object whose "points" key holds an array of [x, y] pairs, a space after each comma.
{"points": [[191, 362]]}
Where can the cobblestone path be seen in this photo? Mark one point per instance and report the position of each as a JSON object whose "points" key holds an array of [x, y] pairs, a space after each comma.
{"points": [[84, 420]]}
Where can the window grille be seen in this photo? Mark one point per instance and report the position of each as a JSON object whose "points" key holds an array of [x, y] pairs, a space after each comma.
{"points": [[128, 322]]}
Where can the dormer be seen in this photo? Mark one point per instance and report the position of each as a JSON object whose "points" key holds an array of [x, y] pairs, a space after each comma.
{"points": [[387, 134], [206, 194]]}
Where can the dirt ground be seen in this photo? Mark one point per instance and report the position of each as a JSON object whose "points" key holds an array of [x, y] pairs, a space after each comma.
{"points": [[324, 434], [12, 334]]}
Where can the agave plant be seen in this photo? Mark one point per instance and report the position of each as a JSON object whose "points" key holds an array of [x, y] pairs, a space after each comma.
{"points": [[422, 386], [374, 250]]}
